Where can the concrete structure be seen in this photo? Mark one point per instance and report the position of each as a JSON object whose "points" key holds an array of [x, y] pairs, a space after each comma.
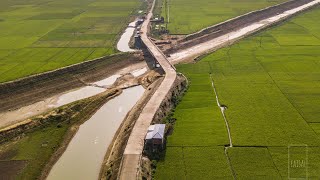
{"points": [[155, 137], [131, 159]]}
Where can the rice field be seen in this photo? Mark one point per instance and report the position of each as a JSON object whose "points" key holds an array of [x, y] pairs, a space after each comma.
{"points": [[42, 35], [270, 83], [188, 16]]}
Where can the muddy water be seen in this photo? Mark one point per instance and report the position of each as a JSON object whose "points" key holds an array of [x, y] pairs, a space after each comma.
{"points": [[107, 82], [85, 153], [139, 72], [75, 95], [123, 43], [86, 92], [11, 117]]}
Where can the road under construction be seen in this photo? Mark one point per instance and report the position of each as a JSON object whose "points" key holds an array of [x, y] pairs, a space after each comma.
{"points": [[133, 151]]}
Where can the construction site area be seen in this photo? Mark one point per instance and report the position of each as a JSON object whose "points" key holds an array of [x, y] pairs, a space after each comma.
{"points": [[160, 89]]}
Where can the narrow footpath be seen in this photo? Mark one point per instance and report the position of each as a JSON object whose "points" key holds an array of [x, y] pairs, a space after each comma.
{"points": [[130, 164], [222, 108]]}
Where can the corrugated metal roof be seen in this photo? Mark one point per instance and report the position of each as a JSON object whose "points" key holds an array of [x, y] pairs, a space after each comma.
{"points": [[151, 128], [156, 131]]}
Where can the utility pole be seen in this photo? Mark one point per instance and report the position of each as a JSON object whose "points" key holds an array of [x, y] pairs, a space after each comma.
{"points": [[167, 13]]}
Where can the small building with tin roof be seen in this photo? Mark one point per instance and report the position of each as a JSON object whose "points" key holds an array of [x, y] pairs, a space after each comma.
{"points": [[155, 136]]}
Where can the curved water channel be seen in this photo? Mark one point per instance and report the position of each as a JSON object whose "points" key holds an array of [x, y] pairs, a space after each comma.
{"points": [[85, 153], [123, 43], [11, 117], [15, 116]]}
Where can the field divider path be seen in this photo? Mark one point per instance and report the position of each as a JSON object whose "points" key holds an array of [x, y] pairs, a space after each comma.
{"points": [[222, 108], [131, 160]]}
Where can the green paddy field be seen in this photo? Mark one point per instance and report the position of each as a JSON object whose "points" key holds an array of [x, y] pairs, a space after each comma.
{"points": [[270, 83], [188, 16], [42, 35]]}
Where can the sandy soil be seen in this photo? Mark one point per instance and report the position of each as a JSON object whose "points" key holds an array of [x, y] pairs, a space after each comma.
{"points": [[10, 117], [12, 167], [29, 90], [134, 147], [140, 80], [229, 38], [113, 156]]}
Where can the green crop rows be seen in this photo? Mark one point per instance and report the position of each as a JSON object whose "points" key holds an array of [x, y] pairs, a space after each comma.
{"points": [[42, 35], [270, 83], [188, 16]]}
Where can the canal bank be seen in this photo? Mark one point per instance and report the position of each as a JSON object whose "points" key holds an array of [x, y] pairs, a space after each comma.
{"points": [[11, 117], [123, 44], [84, 154], [65, 121]]}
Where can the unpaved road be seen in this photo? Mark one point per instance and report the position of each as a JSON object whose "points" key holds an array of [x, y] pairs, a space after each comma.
{"points": [[133, 152], [229, 38]]}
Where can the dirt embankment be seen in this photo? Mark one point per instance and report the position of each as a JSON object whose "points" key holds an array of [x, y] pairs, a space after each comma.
{"points": [[61, 114], [111, 164], [71, 115], [32, 89], [234, 24], [165, 110], [99, 101]]}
